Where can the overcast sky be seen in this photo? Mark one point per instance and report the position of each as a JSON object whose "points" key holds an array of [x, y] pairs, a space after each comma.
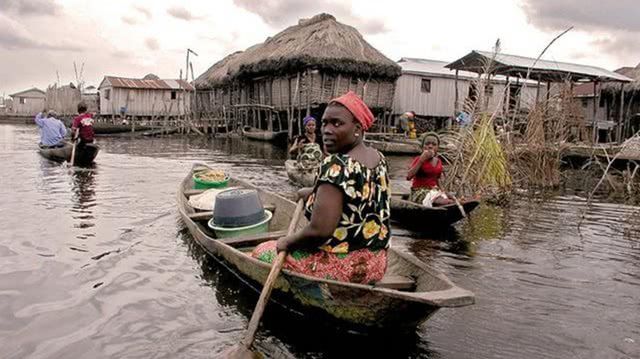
{"points": [[39, 38]]}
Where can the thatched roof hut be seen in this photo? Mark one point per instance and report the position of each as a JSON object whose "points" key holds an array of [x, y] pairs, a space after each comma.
{"points": [[217, 74], [298, 70], [321, 43]]}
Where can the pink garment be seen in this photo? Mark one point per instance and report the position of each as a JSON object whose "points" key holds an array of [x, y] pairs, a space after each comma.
{"points": [[359, 266]]}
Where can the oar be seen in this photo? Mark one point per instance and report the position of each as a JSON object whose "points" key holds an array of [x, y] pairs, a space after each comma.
{"points": [[73, 150], [242, 350]]}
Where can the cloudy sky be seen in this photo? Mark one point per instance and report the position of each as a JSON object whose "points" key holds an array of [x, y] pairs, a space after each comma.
{"points": [[41, 39]]}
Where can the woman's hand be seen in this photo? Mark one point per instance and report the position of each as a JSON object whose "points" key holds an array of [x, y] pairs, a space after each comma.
{"points": [[283, 244], [304, 193], [427, 154]]}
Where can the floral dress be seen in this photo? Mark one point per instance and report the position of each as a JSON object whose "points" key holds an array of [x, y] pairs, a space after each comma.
{"points": [[356, 252]]}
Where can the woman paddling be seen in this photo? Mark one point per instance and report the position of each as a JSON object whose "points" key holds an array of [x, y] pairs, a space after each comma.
{"points": [[425, 172], [307, 148], [308, 137], [348, 208]]}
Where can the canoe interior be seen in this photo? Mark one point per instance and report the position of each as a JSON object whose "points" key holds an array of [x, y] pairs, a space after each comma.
{"points": [[420, 217], [410, 292], [300, 177]]}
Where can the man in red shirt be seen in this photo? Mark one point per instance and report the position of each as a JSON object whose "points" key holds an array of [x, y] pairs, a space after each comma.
{"points": [[83, 125]]}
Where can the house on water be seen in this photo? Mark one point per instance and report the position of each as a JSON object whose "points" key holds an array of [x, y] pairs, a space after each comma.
{"points": [[619, 103], [273, 85], [546, 73], [428, 88], [28, 102], [144, 99]]}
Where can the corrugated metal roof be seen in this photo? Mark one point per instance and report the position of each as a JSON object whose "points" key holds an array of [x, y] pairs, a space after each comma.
{"points": [[425, 67], [433, 67], [29, 90], [168, 84], [545, 68]]}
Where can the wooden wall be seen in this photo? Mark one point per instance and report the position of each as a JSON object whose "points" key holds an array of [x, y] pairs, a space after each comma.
{"points": [[143, 102], [298, 91], [34, 102]]}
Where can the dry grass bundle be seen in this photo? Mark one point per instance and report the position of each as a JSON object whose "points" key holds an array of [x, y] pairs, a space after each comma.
{"points": [[480, 164], [538, 157]]}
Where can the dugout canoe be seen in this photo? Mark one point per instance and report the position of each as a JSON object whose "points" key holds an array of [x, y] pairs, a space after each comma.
{"points": [[85, 155], [300, 177], [409, 294], [253, 133], [421, 218], [101, 128], [396, 147]]}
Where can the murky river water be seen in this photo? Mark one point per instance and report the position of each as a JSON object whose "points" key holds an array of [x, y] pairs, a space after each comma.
{"points": [[95, 263]]}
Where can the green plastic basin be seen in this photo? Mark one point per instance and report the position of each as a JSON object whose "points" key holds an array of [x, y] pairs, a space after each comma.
{"points": [[200, 184], [228, 232]]}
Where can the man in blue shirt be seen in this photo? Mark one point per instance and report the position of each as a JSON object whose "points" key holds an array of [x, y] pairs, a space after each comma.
{"points": [[52, 130]]}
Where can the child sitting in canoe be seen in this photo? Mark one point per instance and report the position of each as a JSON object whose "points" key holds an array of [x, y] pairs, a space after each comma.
{"points": [[348, 209], [425, 172]]}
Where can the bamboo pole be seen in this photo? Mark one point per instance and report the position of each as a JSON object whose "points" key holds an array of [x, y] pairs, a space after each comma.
{"points": [[621, 122], [594, 121], [456, 104]]}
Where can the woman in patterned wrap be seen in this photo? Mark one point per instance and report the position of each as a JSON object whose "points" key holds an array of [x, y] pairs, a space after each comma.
{"points": [[348, 208]]}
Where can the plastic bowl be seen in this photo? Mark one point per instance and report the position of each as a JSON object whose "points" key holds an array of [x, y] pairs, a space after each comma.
{"points": [[201, 184], [238, 208], [228, 232]]}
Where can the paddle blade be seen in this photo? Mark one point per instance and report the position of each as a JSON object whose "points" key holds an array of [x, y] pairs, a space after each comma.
{"points": [[239, 352]]}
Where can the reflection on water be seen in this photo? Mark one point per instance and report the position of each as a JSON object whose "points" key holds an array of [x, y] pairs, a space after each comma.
{"points": [[94, 262]]}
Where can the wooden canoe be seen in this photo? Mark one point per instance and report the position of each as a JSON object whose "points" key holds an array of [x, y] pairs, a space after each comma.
{"points": [[84, 155], [262, 135], [408, 295], [300, 177], [396, 147], [418, 217], [101, 128]]}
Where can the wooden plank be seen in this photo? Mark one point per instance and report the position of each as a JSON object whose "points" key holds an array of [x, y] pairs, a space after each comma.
{"points": [[249, 241], [397, 282]]}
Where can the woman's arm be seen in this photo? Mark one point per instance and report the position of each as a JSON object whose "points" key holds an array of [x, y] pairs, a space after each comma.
{"points": [[327, 209], [294, 147]]}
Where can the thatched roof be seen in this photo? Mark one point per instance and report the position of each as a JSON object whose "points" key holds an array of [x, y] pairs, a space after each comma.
{"points": [[631, 72], [217, 74], [320, 43]]}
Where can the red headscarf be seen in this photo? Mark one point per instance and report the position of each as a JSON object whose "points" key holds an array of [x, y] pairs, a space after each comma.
{"points": [[357, 107]]}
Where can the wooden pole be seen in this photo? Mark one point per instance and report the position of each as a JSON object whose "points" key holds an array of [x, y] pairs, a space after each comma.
{"points": [[456, 98], [622, 123], [594, 121], [548, 90]]}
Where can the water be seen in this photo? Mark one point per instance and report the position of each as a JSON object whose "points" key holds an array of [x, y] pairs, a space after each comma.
{"points": [[95, 263]]}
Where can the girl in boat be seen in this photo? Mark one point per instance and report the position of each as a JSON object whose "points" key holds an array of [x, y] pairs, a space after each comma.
{"points": [[425, 172], [348, 208]]}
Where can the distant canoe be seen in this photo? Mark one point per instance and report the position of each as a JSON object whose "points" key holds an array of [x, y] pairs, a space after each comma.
{"points": [[262, 135], [298, 176], [396, 147], [85, 155], [410, 292], [101, 128]]}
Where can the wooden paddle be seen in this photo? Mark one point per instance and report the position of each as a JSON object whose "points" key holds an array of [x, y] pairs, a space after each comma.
{"points": [[242, 350], [73, 149]]}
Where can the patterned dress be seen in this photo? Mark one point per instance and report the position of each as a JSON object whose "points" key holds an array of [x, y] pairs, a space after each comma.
{"points": [[356, 252]]}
